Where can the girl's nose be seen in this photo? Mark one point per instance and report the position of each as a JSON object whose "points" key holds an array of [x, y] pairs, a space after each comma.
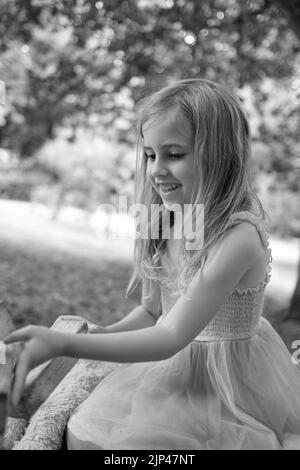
{"points": [[159, 168]]}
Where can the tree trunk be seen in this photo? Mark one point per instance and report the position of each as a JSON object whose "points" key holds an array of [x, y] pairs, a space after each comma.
{"points": [[291, 9], [294, 308]]}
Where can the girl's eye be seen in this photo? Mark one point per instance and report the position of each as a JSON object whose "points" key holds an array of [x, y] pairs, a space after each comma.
{"points": [[152, 157], [174, 156]]}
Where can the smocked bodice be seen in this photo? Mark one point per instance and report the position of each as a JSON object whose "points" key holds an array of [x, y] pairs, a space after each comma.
{"points": [[239, 316]]}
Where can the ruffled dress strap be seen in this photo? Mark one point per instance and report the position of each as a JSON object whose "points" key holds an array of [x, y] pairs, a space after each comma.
{"points": [[261, 228]]}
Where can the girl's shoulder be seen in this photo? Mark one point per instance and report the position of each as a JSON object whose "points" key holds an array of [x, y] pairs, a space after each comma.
{"points": [[240, 234], [255, 229], [252, 219], [247, 232]]}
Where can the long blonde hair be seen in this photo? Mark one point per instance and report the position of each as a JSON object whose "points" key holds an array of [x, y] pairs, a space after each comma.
{"points": [[221, 162]]}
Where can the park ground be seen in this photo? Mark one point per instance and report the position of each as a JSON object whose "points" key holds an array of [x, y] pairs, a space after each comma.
{"points": [[54, 267]]}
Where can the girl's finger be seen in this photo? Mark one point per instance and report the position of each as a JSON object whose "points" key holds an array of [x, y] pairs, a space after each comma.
{"points": [[20, 377], [20, 335]]}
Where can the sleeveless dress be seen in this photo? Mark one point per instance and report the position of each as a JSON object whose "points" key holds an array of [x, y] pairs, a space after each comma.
{"points": [[233, 387]]}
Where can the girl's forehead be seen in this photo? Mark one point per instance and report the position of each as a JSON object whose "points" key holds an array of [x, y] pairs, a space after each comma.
{"points": [[169, 125]]}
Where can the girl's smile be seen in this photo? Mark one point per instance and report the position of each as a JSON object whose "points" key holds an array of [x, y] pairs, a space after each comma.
{"points": [[168, 147], [167, 189]]}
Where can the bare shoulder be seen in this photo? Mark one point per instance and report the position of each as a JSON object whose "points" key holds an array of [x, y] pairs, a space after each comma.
{"points": [[252, 239], [242, 238], [241, 246]]}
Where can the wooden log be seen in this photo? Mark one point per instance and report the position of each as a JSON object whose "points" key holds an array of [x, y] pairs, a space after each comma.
{"points": [[43, 380], [46, 428], [48, 399], [7, 361], [15, 430]]}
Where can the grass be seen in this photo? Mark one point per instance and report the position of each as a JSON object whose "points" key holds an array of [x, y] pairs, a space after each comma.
{"points": [[37, 287]]}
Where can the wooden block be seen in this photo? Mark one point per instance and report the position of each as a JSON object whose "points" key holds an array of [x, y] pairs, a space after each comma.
{"points": [[7, 361], [43, 380]]}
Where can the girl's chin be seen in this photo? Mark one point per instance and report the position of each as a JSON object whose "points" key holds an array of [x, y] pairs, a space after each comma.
{"points": [[172, 206]]}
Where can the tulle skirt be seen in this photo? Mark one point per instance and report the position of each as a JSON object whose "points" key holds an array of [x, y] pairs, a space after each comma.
{"points": [[238, 395]]}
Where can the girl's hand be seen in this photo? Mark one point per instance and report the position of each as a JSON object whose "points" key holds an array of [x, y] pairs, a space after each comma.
{"points": [[41, 344]]}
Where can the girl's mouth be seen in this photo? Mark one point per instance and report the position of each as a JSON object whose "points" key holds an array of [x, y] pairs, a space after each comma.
{"points": [[167, 189]]}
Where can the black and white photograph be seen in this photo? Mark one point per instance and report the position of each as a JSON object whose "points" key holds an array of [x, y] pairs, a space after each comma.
{"points": [[149, 227]]}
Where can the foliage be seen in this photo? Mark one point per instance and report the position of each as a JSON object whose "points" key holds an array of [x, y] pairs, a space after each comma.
{"points": [[82, 62], [89, 171]]}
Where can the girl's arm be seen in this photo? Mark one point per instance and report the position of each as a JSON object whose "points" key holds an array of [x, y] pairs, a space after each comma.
{"points": [[233, 257], [207, 292], [138, 318], [143, 316], [42, 344]]}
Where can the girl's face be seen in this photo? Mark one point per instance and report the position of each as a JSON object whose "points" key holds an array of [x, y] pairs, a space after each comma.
{"points": [[169, 150]]}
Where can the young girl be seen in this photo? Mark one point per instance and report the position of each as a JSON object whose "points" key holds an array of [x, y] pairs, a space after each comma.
{"points": [[202, 368]]}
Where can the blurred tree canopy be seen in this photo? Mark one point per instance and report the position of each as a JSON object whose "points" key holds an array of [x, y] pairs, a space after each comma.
{"points": [[291, 8], [86, 63], [79, 62]]}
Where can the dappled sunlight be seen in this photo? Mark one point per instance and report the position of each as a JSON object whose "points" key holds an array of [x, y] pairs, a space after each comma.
{"points": [[31, 226]]}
